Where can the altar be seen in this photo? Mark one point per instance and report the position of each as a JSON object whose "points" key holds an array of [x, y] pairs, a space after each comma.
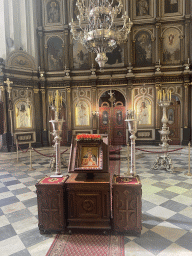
{"points": [[89, 198]]}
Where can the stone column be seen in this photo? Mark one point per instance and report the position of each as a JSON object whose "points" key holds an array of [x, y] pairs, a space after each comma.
{"points": [[69, 115], [158, 43], [38, 117], [186, 105], [45, 132], [94, 108], [187, 41], [129, 45], [157, 118], [41, 48], [182, 47], [186, 129], [3, 99], [133, 55], [67, 49]]}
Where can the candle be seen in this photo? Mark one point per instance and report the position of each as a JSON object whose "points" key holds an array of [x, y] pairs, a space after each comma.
{"points": [[170, 95], [163, 95], [188, 60], [159, 62]]}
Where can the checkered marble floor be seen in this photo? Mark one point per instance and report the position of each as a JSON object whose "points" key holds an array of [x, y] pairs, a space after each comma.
{"points": [[166, 206]]}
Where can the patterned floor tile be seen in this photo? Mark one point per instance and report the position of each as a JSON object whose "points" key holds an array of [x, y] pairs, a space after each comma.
{"points": [[161, 212], [16, 246], [156, 199], [169, 231], [187, 212], [152, 242], [175, 250], [166, 206], [7, 231], [185, 241], [19, 215], [174, 206], [181, 221], [133, 249], [3, 221], [32, 237], [177, 190], [25, 225]]}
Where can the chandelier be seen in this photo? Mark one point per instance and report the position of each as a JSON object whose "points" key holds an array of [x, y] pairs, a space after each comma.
{"points": [[97, 29]]}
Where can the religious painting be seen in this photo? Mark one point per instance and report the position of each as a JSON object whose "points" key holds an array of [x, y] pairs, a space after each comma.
{"points": [[143, 111], [119, 117], [171, 6], [82, 114], [171, 46], [23, 116], [143, 49], [116, 57], [170, 116], [89, 157], [142, 7], [105, 117], [53, 12], [80, 56], [55, 53]]}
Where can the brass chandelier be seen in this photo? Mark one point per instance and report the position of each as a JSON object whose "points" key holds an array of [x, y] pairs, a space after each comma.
{"points": [[99, 30]]}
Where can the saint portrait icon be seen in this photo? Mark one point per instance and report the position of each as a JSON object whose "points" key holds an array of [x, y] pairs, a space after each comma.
{"points": [[89, 157]]}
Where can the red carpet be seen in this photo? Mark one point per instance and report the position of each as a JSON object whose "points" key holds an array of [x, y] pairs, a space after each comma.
{"points": [[90, 244], [87, 245]]}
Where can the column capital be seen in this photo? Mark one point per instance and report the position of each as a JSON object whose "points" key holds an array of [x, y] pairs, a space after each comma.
{"points": [[36, 90], [42, 90]]}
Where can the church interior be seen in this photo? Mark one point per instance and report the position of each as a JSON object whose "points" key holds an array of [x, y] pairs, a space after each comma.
{"points": [[48, 72]]}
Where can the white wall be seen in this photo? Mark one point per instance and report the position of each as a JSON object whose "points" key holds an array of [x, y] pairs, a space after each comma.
{"points": [[2, 31]]}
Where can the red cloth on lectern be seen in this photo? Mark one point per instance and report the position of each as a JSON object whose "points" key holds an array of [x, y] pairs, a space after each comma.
{"points": [[49, 180]]}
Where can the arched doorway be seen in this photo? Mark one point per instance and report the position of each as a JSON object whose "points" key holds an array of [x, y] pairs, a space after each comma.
{"points": [[62, 115], [112, 114], [174, 120]]}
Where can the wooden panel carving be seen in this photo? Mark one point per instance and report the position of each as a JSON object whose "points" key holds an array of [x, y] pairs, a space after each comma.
{"points": [[127, 207]]}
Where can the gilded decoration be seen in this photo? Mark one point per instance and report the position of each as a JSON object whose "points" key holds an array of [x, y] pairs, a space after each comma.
{"points": [[20, 59], [171, 46], [23, 115], [82, 114]]}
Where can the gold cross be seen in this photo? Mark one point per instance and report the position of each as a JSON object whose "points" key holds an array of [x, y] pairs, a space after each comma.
{"points": [[8, 82]]}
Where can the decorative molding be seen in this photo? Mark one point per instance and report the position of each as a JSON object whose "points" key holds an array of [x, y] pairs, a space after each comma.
{"points": [[21, 60]]}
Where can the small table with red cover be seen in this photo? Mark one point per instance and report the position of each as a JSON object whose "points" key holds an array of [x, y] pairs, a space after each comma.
{"points": [[51, 204], [127, 204]]}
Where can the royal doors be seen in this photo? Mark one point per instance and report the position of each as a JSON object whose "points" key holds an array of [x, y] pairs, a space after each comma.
{"points": [[111, 121]]}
